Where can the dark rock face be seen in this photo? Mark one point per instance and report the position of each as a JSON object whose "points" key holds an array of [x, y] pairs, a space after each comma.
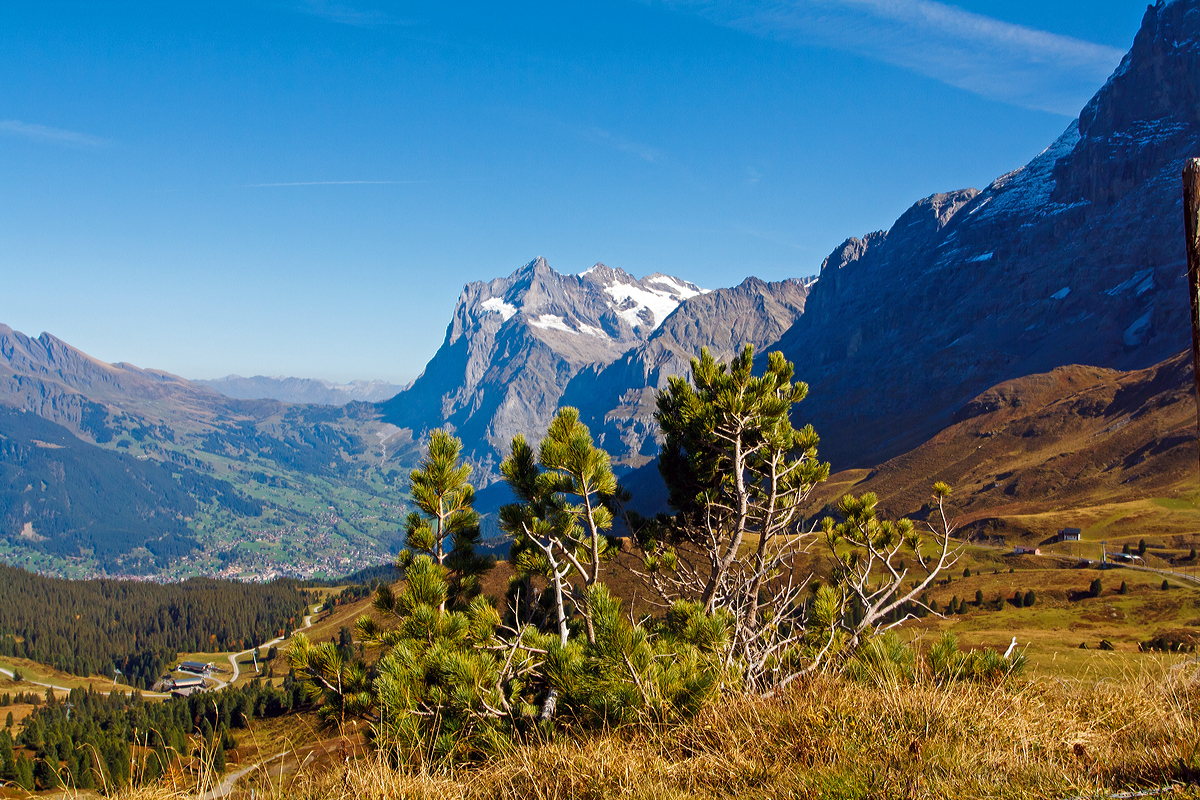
{"points": [[1075, 258]]}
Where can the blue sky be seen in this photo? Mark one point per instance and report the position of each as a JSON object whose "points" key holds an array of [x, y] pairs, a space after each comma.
{"points": [[303, 188]]}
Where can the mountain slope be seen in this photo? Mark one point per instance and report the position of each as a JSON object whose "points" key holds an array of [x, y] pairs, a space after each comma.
{"points": [[617, 400], [1108, 451], [325, 477], [1075, 258], [301, 390], [515, 343]]}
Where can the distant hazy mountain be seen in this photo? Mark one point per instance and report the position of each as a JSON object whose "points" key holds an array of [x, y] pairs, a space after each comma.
{"points": [[1076, 258], [302, 390]]}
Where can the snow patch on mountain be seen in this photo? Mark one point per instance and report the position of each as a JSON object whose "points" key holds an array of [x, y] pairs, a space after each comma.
{"points": [[551, 322], [497, 304], [634, 302], [1028, 188]]}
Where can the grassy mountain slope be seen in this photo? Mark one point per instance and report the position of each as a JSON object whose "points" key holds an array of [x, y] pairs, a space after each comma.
{"points": [[1111, 452]]}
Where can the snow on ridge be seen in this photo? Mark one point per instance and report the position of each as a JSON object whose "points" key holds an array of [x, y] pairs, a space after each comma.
{"points": [[551, 322], [1028, 187], [592, 331], [659, 303], [497, 304]]}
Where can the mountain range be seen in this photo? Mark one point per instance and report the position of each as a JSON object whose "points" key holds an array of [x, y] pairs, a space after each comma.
{"points": [[134, 454], [519, 347], [301, 390], [955, 323]]}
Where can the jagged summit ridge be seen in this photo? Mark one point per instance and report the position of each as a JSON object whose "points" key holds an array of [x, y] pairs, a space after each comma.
{"points": [[601, 302]]}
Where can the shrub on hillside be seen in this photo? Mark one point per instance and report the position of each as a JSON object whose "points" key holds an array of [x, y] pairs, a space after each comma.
{"points": [[1096, 588]]}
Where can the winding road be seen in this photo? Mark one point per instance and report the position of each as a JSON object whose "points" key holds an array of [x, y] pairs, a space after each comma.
{"points": [[233, 657]]}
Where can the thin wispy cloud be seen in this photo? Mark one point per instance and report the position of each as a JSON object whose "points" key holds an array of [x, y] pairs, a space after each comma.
{"points": [[347, 15], [642, 151], [333, 183], [44, 133], [996, 59]]}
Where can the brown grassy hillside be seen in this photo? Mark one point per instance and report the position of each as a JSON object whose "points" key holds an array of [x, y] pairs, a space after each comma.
{"points": [[1111, 452]]}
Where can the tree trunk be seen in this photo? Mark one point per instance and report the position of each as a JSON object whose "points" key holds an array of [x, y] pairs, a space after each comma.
{"points": [[1191, 220]]}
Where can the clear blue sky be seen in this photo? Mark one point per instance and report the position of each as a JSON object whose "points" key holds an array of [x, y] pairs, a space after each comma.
{"points": [[302, 188]]}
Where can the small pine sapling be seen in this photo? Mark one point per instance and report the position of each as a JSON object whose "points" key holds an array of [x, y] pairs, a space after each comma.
{"points": [[446, 526]]}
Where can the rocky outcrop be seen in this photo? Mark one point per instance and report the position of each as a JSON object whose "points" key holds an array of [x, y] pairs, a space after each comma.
{"points": [[1075, 258], [515, 343], [617, 400]]}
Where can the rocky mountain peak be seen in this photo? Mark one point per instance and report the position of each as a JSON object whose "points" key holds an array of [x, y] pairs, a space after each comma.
{"points": [[1076, 257], [1145, 114], [515, 342]]}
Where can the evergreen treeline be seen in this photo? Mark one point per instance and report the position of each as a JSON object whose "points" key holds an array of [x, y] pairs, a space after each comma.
{"points": [[97, 741], [93, 627]]}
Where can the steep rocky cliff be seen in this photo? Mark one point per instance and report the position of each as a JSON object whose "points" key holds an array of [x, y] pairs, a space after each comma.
{"points": [[1075, 258]]}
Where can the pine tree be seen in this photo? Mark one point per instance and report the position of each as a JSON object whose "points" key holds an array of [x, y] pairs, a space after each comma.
{"points": [[8, 757], [1019, 600], [1095, 589], [978, 597], [1165, 585], [734, 464], [1124, 588], [446, 526], [966, 572], [25, 772], [560, 518], [1141, 549], [1030, 598]]}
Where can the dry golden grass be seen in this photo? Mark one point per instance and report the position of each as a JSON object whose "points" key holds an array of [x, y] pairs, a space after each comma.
{"points": [[833, 739]]}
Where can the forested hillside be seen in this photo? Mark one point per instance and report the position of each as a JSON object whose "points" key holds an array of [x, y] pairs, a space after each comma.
{"points": [[90, 627], [93, 740], [70, 498]]}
